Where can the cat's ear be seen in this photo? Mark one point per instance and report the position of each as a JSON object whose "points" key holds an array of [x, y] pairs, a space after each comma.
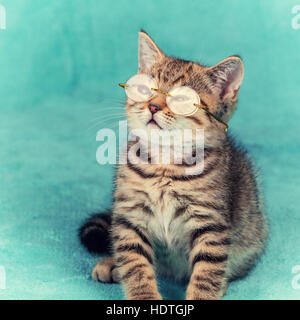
{"points": [[226, 78], [149, 53]]}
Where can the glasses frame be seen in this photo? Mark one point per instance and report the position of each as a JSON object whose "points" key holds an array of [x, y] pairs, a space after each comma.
{"points": [[199, 106]]}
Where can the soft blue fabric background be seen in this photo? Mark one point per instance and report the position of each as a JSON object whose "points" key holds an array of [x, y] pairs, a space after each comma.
{"points": [[60, 62]]}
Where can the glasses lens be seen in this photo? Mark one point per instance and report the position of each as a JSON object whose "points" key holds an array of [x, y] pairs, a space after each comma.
{"points": [[139, 87], [182, 99]]}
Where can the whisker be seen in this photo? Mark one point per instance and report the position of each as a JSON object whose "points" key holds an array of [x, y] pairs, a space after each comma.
{"points": [[106, 123], [113, 100], [108, 116], [116, 121], [101, 108], [104, 112]]}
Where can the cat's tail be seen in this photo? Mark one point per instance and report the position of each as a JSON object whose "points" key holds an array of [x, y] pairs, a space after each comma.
{"points": [[94, 234]]}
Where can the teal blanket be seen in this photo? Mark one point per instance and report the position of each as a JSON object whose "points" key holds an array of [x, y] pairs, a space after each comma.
{"points": [[60, 63]]}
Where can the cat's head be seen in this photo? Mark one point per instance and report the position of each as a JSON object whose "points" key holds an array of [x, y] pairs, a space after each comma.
{"points": [[217, 87]]}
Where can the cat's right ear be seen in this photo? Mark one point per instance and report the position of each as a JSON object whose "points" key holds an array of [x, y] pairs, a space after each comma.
{"points": [[149, 53]]}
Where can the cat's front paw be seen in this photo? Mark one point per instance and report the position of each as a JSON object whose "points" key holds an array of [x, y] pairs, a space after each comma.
{"points": [[195, 292], [145, 296], [105, 271]]}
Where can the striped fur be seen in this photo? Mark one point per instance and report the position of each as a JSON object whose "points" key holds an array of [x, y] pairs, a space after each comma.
{"points": [[207, 228]]}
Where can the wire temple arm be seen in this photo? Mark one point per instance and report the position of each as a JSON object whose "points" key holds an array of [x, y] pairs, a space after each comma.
{"points": [[163, 92], [214, 116]]}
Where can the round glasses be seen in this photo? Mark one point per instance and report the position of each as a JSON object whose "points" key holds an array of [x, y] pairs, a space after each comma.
{"points": [[182, 100]]}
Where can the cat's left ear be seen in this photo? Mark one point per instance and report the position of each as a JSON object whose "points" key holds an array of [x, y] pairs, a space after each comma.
{"points": [[149, 53], [226, 78]]}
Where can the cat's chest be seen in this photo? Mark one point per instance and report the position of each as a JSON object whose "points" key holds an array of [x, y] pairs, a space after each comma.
{"points": [[164, 226]]}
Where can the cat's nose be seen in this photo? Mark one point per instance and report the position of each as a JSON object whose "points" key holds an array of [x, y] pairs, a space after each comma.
{"points": [[154, 107]]}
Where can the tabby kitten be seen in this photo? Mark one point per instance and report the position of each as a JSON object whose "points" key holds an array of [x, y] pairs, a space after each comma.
{"points": [[207, 228]]}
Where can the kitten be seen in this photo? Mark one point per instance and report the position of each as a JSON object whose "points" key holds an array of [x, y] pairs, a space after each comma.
{"points": [[207, 228]]}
